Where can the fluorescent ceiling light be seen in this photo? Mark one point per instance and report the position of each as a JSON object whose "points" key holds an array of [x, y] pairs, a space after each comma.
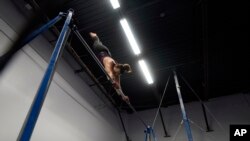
{"points": [[115, 3], [130, 36], [145, 71]]}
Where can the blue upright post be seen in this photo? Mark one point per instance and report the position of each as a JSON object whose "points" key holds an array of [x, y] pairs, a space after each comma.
{"points": [[153, 133], [148, 132], [42, 29], [184, 116], [146, 135], [37, 104]]}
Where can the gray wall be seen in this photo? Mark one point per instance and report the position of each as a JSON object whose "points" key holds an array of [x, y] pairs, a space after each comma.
{"points": [[71, 111], [227, 110]]}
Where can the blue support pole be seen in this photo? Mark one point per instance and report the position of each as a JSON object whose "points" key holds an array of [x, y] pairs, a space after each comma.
{"points": [[41, 29], [153, 133], [148, 132], [37, 104], [184, 116], [146, 136]]}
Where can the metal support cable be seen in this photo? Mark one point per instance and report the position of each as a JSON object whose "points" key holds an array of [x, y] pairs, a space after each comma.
{"points": [[153, 133], [184, 115], [205, 116], [163, 125], [177, 131], [198, 126], [208, 110], [213, 116], [157, 113], [191, 88]]}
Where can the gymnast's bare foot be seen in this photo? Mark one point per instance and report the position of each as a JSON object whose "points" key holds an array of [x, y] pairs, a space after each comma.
{"points": [[93, 35]]}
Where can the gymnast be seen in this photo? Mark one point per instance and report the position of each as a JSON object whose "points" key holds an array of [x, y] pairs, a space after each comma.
{"points": [[113, 69]]}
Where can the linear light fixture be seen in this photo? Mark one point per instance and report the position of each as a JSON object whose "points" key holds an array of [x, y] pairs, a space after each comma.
{"points": [[130, 36], [115, 4], [145, 71]]}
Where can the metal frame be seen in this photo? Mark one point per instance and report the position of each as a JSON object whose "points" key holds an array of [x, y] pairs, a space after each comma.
{"points": [[184, 115], [118, 91], [163, 125], [201, 102], [32, 116], [30, 121], [185, 118], [149, 133], [159, 109], [34, 111]]}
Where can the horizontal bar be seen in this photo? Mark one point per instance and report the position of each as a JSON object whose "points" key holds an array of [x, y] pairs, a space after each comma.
{"points": [[119, 91]]}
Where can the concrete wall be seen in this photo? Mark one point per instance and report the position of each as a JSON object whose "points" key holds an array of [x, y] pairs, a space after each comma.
{"points": [[71, 111], [227, 110]]}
